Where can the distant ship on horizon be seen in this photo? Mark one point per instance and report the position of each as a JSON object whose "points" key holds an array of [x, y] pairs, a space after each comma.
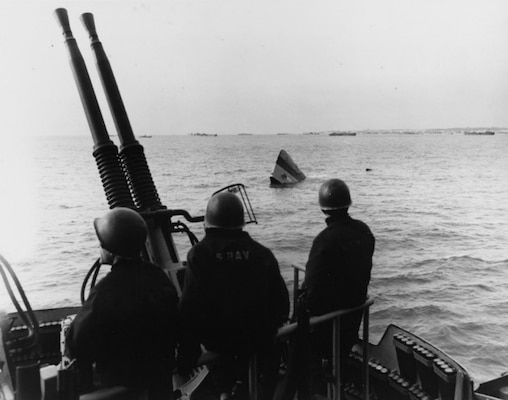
{"points": [[342, 134], [202, 134], [480, 133]]}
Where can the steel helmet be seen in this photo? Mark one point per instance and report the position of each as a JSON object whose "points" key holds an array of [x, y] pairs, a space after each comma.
{"points": [[121, 231], [224, 210], [334, 195]]}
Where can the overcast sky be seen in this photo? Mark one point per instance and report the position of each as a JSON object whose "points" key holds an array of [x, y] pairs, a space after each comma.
{"points": [[230, 66]]}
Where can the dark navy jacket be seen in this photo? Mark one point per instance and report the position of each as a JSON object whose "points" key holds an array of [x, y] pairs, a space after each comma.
{"points": [[234, 296], [338, 270], [128, 326]]}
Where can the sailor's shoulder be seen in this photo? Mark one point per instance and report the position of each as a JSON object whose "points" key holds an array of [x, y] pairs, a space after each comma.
{"points": [[329, 231], [257, 247], [360, 225], [201, 248]]}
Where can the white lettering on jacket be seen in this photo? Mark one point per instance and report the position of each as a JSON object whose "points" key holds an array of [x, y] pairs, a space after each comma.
{"points": [[236, 255]]}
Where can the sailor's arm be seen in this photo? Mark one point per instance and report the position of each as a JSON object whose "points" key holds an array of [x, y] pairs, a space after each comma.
{"points": [[79, 341]]}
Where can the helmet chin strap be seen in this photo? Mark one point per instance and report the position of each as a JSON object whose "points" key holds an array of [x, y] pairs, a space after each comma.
{"points": [[107, 257], [110, 258]]}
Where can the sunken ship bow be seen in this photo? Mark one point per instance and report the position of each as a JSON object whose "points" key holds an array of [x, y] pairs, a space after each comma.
{"points": [[285, 171]]}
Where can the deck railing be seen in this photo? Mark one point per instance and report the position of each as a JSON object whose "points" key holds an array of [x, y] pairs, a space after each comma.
{"points": [[335, 316]]}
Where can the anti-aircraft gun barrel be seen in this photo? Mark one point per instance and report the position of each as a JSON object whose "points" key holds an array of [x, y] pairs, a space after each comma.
{"points": [[105, 151], [161, 248], [131, 153]]}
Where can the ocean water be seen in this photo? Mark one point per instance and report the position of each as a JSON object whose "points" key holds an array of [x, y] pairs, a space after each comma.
{"points": [[436, 203]]}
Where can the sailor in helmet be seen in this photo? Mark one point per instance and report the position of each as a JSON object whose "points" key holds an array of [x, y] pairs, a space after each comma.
{"points": [[234, 298], [337, 272], [128, 324]]}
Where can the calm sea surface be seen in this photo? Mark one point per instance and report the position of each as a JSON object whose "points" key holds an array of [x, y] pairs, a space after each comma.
{"points": [[437, 204]]}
